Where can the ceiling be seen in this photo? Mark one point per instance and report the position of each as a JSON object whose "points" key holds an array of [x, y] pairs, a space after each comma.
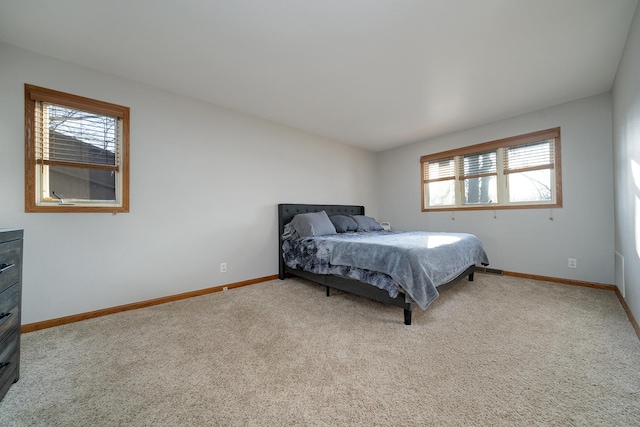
{"points": [[370, 73]]}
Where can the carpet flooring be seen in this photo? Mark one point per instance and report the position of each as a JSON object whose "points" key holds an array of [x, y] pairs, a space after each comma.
{"points": [[499, 351]]}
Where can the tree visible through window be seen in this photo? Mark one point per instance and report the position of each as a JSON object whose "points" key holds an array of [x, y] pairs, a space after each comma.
{"points": [[479, 177], [76, 153], [518, 172]]}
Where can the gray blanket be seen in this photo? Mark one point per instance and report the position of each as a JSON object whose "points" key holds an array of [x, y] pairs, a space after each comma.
{"points": [[418, 261], [312, 256]]}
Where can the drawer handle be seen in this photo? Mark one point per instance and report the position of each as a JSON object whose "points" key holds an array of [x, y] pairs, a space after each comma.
{"points": [[5, 267], [3, 315]]}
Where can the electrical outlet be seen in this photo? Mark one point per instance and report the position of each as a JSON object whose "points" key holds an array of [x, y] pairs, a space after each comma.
{"points": [[573, 263], [223, 267]]}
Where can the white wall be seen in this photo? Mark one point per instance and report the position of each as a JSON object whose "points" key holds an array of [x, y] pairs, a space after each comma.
{"points": [[205, 182], [525, 240], [626, 135]]}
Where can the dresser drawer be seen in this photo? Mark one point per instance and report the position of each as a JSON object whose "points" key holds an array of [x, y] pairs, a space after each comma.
{"points": [[9, 310], [9, 361], [10, 263]]}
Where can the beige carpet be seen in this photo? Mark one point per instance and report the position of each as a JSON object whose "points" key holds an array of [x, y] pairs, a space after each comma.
{"points": [[497, 351]]}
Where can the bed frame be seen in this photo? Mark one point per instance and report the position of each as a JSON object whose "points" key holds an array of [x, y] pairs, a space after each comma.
{"points": [[286, 212]]}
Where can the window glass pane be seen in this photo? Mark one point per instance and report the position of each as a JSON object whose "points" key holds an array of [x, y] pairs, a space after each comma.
{"points": [[531, 186], [442, 193], [482, 190], [82, 184]]}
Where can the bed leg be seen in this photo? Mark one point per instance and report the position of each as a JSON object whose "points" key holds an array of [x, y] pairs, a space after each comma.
{"points": [[471, 277], [407, 317], [328, 291]]}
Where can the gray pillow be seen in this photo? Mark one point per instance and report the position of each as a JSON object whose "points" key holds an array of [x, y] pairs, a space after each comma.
{"points": [[313, 224], [343, 223], [366, 223]]}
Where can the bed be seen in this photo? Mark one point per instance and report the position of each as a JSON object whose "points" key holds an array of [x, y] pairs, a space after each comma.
{"points": [[372, 262]]}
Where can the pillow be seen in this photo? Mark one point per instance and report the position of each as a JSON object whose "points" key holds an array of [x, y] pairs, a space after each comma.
{"points": [[343, 223], [313, 224], [366, 223]]}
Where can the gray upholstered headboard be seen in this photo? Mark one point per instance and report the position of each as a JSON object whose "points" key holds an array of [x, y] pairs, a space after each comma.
{"points": [[286, 212]]}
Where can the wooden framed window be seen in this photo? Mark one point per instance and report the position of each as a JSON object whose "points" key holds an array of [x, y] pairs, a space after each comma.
{"points": [[519, 172], [76, 153]]}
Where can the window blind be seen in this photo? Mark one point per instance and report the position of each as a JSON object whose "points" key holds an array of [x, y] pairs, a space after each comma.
{"points": [[478, 165], [74, 137], [528, 157], [440, 170]]}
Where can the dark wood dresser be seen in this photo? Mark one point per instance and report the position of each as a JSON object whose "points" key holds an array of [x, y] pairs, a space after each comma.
{"points": [[10, 302]]}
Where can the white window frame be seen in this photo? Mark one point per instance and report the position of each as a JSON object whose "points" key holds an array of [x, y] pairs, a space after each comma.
{"points": [[37, 164], [502, 180]]}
